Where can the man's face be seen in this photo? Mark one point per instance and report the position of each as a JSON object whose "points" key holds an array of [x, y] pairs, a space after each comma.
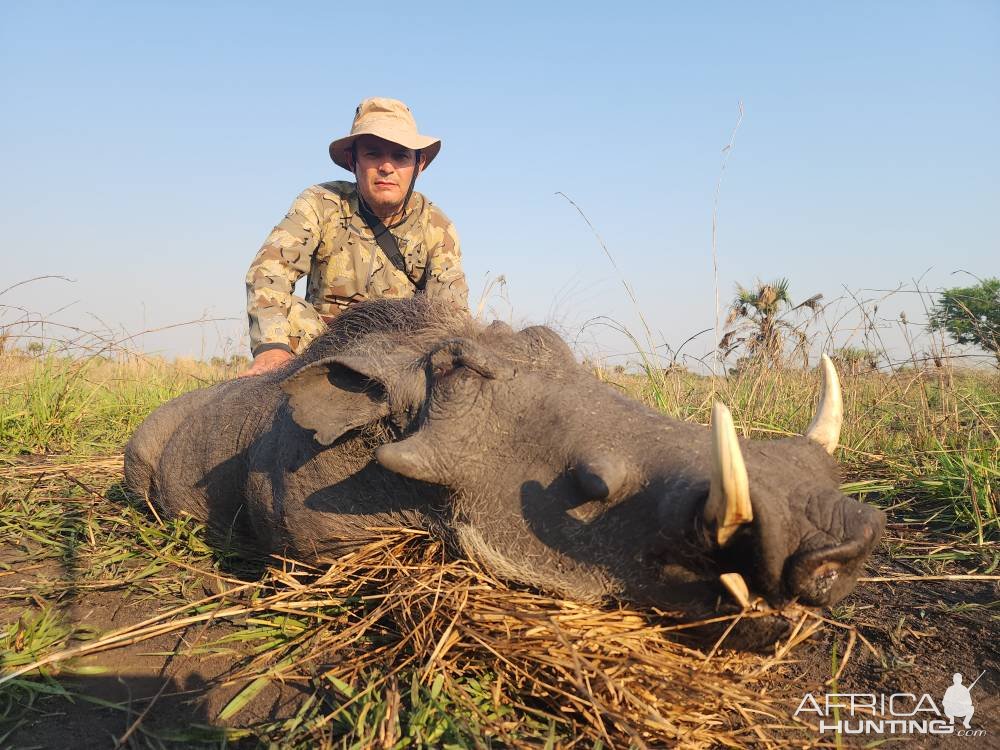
{"points": [[384, 170]]}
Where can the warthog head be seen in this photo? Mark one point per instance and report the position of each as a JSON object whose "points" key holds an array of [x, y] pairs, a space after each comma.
{"points": [[556, 480]]}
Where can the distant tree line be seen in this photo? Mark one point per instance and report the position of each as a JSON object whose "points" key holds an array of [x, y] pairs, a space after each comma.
{"points": [[762, 324]]}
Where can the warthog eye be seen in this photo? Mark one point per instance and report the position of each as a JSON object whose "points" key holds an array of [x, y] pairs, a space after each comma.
{"points": [[470, 356]]}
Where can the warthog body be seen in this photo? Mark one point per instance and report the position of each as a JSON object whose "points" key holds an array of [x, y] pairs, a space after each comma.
{"points": [[407, 413]]}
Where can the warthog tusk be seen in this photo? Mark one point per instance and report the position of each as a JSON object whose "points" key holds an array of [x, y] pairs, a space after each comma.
{"points": [[728, 505], [825, 427], [736, 586]]}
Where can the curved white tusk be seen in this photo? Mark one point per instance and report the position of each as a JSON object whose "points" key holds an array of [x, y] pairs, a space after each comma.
{"points": [[825, 427], [736, 586], [728, 505]]}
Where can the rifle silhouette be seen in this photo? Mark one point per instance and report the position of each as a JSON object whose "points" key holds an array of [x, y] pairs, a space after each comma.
{"points": [[975, 681]]}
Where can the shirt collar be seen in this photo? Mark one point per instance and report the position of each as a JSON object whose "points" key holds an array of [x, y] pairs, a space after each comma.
{"points": [[351, 215]]}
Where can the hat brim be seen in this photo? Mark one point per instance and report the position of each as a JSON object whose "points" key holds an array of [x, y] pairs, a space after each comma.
{"points": [[429, 147]]}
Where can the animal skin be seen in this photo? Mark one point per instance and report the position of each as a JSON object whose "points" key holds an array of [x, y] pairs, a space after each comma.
{"points": [[407, 412]]}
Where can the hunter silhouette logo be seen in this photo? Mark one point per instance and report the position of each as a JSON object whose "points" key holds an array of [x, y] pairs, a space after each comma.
{"points": [[957, 701], [896, 713]]}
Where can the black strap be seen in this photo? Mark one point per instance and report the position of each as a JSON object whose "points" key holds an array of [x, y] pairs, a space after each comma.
{"points": [[385, 239]]}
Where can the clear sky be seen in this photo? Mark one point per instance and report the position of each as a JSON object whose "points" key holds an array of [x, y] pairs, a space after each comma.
{"points": [[148, 148]]}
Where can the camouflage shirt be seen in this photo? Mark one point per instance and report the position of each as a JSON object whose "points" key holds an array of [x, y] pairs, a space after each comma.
{"points": [[324, 236]]}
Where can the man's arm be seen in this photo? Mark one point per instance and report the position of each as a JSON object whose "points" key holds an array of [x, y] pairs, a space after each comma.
{"points": [[445, 278], [284, 258]]}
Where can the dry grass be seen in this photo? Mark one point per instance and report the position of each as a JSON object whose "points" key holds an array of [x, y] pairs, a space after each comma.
{"points": [[397, 625]]}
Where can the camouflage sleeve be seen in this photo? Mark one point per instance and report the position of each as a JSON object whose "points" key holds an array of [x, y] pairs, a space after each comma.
{"points": [[445, 278], [284, 258]]}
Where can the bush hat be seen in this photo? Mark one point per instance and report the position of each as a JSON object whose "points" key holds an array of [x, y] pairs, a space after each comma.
{"points": [[389, 119]]}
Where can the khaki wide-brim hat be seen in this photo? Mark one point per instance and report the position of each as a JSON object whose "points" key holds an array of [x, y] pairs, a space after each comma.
{"points": [[389, 119]]}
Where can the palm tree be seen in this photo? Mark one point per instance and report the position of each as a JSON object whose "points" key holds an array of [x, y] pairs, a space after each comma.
{"points": [[755, 321]]}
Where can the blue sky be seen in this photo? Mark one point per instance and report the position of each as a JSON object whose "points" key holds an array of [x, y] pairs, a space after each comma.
{"points": [[148, 148]]}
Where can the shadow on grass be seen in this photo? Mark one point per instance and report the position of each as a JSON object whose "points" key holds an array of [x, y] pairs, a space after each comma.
{"points": [[135, 711], [231, 552]]}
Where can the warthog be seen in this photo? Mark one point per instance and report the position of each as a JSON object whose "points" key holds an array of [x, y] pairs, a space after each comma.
{"points": [[409, 413]]}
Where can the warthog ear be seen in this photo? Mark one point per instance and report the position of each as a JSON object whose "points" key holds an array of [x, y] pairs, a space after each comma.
{"points": [[335, 395]]}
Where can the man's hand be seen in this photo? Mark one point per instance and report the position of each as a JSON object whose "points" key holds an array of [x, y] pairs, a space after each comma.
{"points": [[272, 359]]}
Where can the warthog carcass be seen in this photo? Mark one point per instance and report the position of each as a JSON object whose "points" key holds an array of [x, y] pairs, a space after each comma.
{"points": [[409, 413]]}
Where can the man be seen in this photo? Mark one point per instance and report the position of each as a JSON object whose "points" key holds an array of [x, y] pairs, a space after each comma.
{"points": [[957, 700], [360, 240]]}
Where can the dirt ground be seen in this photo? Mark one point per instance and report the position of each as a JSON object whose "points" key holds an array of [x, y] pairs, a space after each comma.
{"points": [[922, 632], [164, 681]]}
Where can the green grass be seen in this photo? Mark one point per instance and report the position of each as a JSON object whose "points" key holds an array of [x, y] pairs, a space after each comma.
{"points": [[55, 404], [960, 486]]}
